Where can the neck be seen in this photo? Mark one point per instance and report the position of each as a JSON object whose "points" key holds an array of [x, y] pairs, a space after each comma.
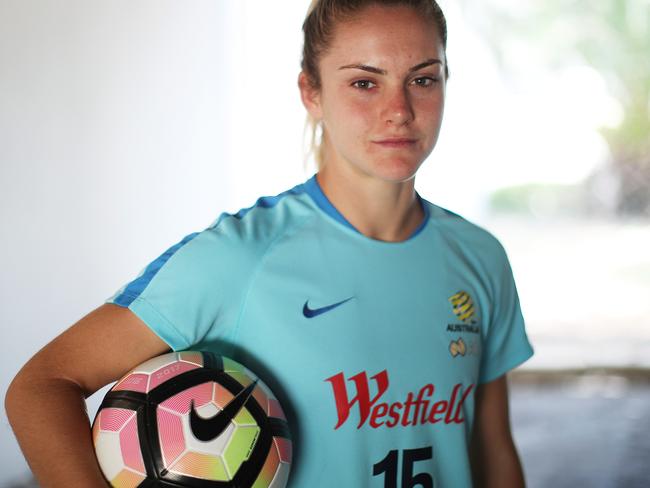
{"points": [[382, 210]]}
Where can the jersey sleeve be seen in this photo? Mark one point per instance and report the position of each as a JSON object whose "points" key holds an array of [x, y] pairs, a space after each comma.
{"points": [[192, 288], [506, 344]]}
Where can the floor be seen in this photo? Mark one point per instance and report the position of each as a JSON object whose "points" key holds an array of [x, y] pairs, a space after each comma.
{"points": [[584, 430]]}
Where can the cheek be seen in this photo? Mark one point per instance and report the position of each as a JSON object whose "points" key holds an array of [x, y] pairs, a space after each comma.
{"points": [[430, 103], [432, 110], [349, 116]]}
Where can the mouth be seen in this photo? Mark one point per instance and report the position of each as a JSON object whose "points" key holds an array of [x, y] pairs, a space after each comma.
{"points": [[396, 142]]}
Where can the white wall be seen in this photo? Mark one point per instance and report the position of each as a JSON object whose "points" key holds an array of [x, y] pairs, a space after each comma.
{"points": [[122, 128]]}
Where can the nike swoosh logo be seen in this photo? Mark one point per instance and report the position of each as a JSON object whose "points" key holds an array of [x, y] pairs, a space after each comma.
{"points": [[313, 312], [207, 429]]}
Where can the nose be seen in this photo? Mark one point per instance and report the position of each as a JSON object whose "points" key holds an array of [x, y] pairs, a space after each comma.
{"points": [[398, 109]]}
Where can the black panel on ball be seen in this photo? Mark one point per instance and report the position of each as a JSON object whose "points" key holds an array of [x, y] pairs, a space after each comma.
{"points": [[146, 405]]}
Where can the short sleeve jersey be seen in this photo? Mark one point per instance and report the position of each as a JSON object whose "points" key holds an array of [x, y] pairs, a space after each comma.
{"points": [[375, 349]]}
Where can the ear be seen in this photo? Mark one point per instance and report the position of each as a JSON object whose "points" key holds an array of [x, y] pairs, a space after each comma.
{"points": [[310, 96]]}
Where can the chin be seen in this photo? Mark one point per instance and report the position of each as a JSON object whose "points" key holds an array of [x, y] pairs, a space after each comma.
{"points": [[398, 171]]}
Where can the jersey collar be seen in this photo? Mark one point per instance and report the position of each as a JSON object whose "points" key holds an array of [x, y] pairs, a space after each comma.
{"points": [[315, 191]]}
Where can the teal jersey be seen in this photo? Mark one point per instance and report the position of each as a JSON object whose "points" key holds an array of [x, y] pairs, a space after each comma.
{"points": [[375, 349]]}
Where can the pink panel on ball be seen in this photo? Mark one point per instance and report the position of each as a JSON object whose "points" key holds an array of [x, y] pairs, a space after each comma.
{"points": [[221, 396], [275, 410], [130, 446], [191, 357], [170, 435], [133, 382], [261, 398], [284, 448], [113, 419], [201, 394], [167, 372]]}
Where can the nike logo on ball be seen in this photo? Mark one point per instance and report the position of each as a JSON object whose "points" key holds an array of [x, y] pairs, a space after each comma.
{"points": [[207, 429], [313, 312]]}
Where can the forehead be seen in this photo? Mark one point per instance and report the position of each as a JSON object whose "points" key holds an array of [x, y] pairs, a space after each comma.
{"points": [[385, 35]]}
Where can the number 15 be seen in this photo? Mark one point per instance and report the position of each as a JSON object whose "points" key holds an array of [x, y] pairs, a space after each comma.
{"points": [[389, 465]]}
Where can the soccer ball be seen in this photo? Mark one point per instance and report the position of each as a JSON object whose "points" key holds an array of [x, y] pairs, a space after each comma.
{"points": [[192, 419]]}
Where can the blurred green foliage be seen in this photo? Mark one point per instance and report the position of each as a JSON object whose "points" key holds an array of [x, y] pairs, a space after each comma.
{"points": [[548, 200], [613, 37]]}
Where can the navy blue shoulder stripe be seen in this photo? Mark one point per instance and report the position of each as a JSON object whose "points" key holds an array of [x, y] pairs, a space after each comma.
{"points": [[137, 286], [263, 202], [134, 289], [269, 202]]}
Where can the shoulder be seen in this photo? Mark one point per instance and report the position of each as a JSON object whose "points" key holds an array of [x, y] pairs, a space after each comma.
{"points": [[464, 235], [254, 229], [223, 255], [471, 247]]}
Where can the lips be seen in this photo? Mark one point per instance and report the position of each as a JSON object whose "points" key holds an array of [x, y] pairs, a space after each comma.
{"points": [[396, 142]]}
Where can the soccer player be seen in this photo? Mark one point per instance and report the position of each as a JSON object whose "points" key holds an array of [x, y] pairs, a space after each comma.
{"points": [[387, 322]]}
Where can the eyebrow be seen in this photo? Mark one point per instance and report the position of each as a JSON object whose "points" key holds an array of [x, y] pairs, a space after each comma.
{"points": [[379, 71]]}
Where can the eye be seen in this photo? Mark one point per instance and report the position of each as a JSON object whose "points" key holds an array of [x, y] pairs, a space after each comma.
{"points": [[425, 81], [363, 84]]}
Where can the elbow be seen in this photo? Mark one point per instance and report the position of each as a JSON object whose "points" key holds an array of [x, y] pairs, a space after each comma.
{"points": [[27, 386], [18, 392], [12, 397]]}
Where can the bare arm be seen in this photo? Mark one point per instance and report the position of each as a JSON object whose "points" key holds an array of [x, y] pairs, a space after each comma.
{"points": [[97, 350], [495, 462]]}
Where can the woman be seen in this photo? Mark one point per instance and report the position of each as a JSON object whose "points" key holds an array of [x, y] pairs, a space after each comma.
{"points": [[386, 323]]}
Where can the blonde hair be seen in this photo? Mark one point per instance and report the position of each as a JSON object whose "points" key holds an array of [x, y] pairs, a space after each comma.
{"points": [[318, 29]]}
